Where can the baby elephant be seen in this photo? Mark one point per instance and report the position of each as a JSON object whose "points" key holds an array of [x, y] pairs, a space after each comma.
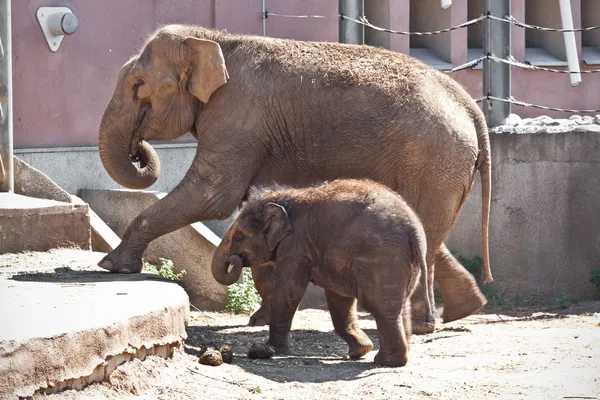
{"points": [[357, 239]]}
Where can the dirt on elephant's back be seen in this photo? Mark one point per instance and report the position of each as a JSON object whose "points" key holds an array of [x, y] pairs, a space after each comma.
{"points": [[529, 354]]}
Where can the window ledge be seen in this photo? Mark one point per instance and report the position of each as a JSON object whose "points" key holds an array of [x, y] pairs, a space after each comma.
{"points": [[473, 54], [428, 57], [590, 55], [542, 58]]}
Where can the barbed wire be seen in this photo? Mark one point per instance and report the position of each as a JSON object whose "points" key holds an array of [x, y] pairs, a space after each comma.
{"points": [[363, 21], [512, 61], [512, 100], [512, 20], [267, 14]]}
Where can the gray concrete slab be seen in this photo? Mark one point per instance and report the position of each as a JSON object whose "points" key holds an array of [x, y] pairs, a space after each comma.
{"points": [[33, 224], [67, 323]]}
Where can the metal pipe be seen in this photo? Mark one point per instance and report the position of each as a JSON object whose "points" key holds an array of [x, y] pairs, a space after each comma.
{"points": [[496, 76], [351, 32], [6, 122], [446, 3], [264, 18], [570, 45]]}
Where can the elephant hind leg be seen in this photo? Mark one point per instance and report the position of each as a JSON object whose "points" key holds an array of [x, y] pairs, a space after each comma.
{"points": [[343, 316], [459, 289]]}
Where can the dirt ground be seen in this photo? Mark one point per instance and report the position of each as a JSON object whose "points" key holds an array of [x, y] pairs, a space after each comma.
{"points": [[509, 355]]}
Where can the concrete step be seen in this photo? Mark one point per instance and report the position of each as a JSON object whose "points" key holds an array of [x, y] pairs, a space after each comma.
{"points": [[66, 323], [33, 224], [190, 248]]}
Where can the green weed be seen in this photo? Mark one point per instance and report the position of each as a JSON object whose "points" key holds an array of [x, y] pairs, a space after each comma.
{"points": [[564, 301], [165, 270], [242, 298]]}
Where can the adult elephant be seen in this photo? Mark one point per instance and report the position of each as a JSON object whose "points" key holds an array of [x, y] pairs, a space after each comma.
{"points": [[272, 110]]}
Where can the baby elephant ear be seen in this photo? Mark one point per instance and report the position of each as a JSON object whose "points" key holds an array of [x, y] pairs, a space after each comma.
{"points": [[208, 72], [277, 224]]}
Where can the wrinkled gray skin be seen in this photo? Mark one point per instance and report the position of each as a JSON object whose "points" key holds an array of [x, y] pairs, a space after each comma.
{"points": [[357, 239], [271, 110]]}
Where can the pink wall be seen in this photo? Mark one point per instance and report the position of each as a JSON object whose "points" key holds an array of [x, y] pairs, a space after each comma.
{"points": [[59, 97]]}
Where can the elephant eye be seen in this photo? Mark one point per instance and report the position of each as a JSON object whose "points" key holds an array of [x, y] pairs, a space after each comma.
{"points": [[237, 237], [139, 82]]}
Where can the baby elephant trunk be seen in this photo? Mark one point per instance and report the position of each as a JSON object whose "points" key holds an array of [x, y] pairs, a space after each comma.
{"points": [[228, 272]]}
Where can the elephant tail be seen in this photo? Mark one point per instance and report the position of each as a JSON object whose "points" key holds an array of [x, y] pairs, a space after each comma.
{"points": [[418, 244], [484, 166]]}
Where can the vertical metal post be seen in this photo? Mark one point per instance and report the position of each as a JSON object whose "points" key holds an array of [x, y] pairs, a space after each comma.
{"points": [[351, 32], [264, 18], [496, 76], [6, 123]]}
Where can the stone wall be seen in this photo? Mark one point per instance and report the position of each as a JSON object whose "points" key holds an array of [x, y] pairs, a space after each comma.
{"points": [[545, 215]]}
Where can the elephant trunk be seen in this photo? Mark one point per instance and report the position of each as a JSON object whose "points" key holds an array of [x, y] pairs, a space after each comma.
{"points": [[227, 273], [115, 148]]}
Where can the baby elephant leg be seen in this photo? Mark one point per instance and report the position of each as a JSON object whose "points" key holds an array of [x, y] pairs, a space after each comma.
{"points": [[393, 343], [285, 297], [343, 315]]}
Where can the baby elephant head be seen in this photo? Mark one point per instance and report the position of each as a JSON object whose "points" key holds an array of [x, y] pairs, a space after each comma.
{"points": [[251, 240]]}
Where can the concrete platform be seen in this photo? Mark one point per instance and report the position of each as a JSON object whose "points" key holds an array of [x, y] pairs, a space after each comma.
{"points": [[33, 224], [66, 323]]}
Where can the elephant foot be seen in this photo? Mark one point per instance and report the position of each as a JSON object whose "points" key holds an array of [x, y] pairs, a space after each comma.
{"points": [[391, 360], [454, 311], [362, 348], [121, 261], [260, 318], [420, 326], [279, 348]]}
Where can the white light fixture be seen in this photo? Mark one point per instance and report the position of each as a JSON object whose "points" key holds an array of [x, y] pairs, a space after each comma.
{"points": [[56, 22]]}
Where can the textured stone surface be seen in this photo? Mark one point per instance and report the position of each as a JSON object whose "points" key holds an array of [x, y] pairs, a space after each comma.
{"points": [[67, 323], [190, 248], [33, 224], [546, 125], [32, 182]]}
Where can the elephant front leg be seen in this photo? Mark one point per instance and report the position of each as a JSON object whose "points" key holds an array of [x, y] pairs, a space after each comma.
{"points": [[191, 201], [261, 277], [462, 297], [286, 295]]}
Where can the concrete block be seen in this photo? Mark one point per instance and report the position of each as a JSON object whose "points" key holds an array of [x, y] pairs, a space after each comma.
{"points": [[34, 183], [544, 222], [32, 224], [190, 248], [103, 238], [67, 323]]}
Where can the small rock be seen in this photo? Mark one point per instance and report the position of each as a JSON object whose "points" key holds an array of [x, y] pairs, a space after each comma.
{"points": [[226, 354], [586, 120], [574, 117], [260, 351], [597, 119], [527, 121], [512, 120]]}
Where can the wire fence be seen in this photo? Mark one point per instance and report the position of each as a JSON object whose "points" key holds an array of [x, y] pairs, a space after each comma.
{"points": [[474, 63]]}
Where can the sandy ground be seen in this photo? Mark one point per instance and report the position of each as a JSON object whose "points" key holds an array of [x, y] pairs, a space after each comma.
{"points": [[510, 355]]}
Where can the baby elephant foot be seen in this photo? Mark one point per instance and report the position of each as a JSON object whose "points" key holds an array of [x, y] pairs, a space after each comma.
{"points": [[391, 360], [121, 261], [259, 318], [360, 350], [421, 326], [279, 348]]}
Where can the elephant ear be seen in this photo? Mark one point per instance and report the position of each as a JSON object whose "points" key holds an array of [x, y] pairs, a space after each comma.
{"points": [[277, 224], [208, 72]]}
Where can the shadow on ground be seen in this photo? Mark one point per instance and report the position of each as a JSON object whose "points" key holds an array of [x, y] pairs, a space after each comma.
{"points": [[66, 274], [317, 356]]}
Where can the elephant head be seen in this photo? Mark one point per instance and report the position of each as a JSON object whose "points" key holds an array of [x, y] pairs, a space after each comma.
{"points": [[250, 241], [158, 95]]}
